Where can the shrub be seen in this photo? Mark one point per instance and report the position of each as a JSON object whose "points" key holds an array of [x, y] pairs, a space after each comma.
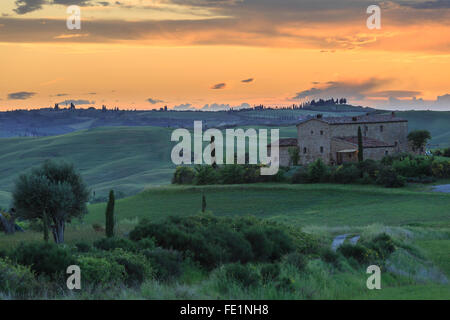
{"points": [[83, 247], [318, 171], [137, 268], [146, 243], [100, 271], [390, 179], [347, 173], [44, 258], [370, 167], [412, 167], [270, 272], [358, 252], [183, 175], [301, 176], [168, 264], [16, 280], [232, 174], [329, 256], [206, 175], [297, 260], [212, 241], [446, 152], [383, 245], [441, 169], [247, 276], [109, 244]]}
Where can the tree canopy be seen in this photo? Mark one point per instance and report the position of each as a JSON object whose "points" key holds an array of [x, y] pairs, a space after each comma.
{"points": [[54, 190]]}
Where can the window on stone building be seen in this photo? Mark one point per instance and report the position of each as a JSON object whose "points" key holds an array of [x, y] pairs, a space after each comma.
{"points": [[321, 149], [321, 132], [386, 152], [304, 150], [312, 132], [381, 128]]}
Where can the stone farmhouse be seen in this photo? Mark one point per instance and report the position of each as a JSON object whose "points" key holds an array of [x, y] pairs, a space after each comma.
{"points": [[335, 140]]}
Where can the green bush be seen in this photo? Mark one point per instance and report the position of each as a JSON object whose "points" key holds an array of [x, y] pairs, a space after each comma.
{"points": [[100, 271], [109, 244], [167, 264], [270, 272], [17, 281], [329, 256], [146, 243], [358, 252], [318, 171], [301, 176], [183, 175], [206, 175], [441, 168], [137, 267], [389, 178], [347, 173], [44, 258], [212, 241], [83, 247], [370, 167], [232, 174], [296, 259], [245, 275], [412, 167], [383, 245]]}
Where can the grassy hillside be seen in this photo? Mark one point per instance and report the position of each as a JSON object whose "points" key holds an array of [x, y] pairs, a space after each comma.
{"points": [[126, 158], [300, 205], [438, 123]]}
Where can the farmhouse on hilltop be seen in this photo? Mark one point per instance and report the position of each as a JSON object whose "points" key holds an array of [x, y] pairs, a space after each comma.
{"points": [[335, 140]]}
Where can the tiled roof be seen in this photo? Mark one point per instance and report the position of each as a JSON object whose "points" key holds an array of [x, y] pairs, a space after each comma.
{"points": [[367, 142], [288, 142], [358, 119]]}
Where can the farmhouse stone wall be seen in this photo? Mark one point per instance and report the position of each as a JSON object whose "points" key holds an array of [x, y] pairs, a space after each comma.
{"points": [[314, 141]]}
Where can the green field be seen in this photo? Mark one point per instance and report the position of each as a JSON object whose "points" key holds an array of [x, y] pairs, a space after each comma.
{"points": [[124, 158], [301, 205]]}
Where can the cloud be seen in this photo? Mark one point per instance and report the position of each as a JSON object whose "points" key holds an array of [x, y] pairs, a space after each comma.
{"points": [[22, 95], [437, 4], [183, 107], [154, 101], [219, 86], [350, 90], [61, 94], [25, 6], [76, 102], [395, 94], [247, 80]]}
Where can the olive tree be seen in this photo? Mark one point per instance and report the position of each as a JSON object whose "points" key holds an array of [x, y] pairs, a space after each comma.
{"points": [[54, 193]]}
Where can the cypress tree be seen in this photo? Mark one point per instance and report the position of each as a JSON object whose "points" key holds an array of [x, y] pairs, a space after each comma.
{"points": [[360, 146], [45, 225], [110, 215], [203, 203]]}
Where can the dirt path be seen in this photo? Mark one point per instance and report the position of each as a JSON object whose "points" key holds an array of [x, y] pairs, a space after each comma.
{"points": [[442, 188]]}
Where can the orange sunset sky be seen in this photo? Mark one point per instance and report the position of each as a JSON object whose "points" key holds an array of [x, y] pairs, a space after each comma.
{"points": [[215, 54]]}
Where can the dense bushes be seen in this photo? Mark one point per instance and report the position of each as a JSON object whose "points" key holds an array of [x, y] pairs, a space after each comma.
{"points": [[389, 178], [225, 174], [17, 281], [167, 264], [100, 271], [44, 259], [212, 241]]}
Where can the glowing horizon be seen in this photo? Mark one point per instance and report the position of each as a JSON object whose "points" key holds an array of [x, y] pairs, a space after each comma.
{"points": [[193, 53]]}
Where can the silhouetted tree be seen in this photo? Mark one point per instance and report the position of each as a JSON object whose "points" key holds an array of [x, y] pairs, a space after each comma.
{"points": [[203, 203], [109, 224], [360, 146]]}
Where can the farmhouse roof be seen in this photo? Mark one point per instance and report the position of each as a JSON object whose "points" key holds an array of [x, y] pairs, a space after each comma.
{"points": [[287, 142], [367, 142], [370, 118]]}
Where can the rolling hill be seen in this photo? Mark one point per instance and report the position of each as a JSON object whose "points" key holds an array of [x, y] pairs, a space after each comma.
{"points": [[124, 158]]}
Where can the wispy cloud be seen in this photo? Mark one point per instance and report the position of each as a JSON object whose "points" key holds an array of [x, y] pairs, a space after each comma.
{"points": [[247, 80], [22, 95], [77, 102], [154, 101], [219, 86]]}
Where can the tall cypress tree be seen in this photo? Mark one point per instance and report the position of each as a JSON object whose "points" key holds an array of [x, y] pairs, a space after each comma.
{"points": [[360, 146], [110, 215], [203, 203], [45, 226]]}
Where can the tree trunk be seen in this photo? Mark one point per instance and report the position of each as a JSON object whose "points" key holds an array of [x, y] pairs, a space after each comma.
{"points": [[8, 225], [58, 231]]}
